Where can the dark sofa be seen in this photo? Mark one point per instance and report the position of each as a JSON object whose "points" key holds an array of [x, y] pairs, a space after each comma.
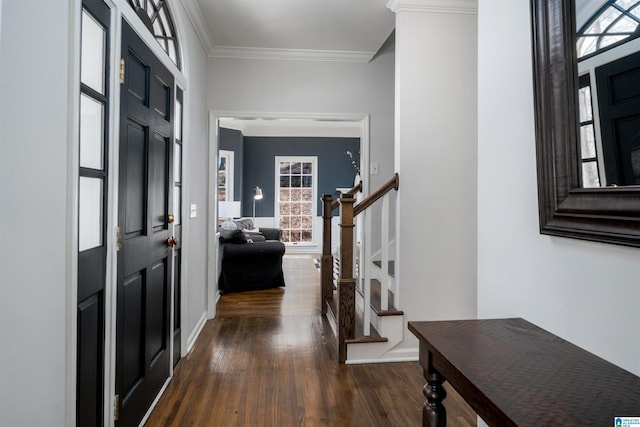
{"points": [[251, 260]]}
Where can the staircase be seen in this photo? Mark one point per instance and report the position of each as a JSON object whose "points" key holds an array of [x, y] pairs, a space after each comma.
{"points": [[359, 294]]}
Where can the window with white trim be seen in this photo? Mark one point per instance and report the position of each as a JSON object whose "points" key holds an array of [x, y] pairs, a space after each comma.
{"points": [[296, 181]]}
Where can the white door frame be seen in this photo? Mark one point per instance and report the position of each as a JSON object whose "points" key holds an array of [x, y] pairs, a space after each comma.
{"points": [[214, 132]]}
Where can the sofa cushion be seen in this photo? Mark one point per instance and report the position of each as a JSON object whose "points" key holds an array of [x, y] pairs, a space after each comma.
{"points": [[233, 236], [251, 267]]}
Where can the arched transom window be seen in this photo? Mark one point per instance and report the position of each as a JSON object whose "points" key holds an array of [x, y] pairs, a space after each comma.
{"points": [[614, 23], [155, 14]]}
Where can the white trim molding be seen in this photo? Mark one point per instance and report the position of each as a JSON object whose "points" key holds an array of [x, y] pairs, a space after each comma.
{"points": [[290, 54], [195, 16], [193, 337], [467, 7]]}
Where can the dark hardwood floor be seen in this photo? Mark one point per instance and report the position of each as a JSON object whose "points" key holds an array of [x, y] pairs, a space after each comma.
{"points": [[268, 359]]}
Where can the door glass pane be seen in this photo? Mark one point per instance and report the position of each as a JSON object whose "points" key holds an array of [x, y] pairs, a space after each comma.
{"points": [[177, 162], [584, 106], [177, 198], [587, 141], [178, 120], [90, 213], [172, 51], [91, 133], [590, 177], [92, 53]]}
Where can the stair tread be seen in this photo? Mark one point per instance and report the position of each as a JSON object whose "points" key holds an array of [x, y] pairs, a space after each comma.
{"points": [[376, 304], [392, 266]]}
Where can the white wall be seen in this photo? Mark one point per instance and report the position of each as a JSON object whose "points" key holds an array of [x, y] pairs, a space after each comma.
{"points": [[436, 127], [309, 87], [314, 88], [585, 292], [34, 166], [195, 176]]}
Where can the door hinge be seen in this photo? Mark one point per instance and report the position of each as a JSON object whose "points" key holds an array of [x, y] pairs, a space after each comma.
{"points": [[116, 407], [121, 70], [118, 239]]}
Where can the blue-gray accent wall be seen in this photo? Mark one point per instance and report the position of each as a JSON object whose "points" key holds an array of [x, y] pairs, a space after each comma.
{"points": [[233, 140], [335, 169]]}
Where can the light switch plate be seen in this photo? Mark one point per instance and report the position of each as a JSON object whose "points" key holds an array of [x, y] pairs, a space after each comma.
{"points": [[374, 168]]}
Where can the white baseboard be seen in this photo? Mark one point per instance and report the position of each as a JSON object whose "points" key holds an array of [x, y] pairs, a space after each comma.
{"points": [[396, 355], [196, 332]]}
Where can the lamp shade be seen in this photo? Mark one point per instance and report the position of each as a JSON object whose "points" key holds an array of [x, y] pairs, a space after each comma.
{"points": [[229, 209], [257, 193]]}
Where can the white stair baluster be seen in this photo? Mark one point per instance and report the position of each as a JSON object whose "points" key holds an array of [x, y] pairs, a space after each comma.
{"points": [[384, 287]]}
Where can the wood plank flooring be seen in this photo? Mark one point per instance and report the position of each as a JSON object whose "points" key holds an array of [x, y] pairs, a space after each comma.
{"points": [[268, 359]]}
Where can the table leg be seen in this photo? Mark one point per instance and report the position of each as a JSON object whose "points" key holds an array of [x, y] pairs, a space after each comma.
{"points": [[434, 413]]}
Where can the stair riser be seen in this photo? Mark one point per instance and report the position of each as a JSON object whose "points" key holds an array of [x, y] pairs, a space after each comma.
{"points": [[380, 323]]}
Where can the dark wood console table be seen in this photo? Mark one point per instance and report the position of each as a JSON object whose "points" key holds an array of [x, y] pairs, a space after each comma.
{"points": [[513, 373]]}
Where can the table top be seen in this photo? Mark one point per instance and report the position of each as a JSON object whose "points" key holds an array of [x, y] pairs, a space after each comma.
{"points": [[511, 372]]}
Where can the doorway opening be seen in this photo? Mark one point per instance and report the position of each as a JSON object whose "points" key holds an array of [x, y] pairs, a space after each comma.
{"points": [[269, 125]]}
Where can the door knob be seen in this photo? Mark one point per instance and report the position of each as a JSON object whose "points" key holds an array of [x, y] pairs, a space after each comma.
{"points": [[172, 242], [171, 218]]}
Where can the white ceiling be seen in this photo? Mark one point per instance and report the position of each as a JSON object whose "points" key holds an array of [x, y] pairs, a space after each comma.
{"points": [[349, 30]]}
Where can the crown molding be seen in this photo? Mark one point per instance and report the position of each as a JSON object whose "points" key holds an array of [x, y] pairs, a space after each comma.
{"points": [[293, 127], [467, 7], [290, 54], [195, 16]]}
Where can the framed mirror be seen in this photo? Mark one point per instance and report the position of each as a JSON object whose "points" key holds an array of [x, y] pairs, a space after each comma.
{"points": [[567, 207]]}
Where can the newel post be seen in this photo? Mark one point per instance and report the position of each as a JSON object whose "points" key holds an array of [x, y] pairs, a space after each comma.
{"points": [[347, 283], [326, 263]]}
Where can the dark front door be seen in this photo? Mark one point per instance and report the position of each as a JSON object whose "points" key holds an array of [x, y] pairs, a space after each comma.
{"points": [[619, 102], [143, 330]]}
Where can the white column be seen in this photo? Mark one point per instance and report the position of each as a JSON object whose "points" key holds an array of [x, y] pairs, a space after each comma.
{"points": [[436, 157]]}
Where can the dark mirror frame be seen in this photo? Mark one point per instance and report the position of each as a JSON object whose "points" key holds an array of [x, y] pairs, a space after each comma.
{"points": [[609, 215]]}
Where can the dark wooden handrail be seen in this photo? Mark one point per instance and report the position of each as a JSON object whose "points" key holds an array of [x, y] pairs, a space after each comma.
{"points": [[356, 188], [392, 184]]}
